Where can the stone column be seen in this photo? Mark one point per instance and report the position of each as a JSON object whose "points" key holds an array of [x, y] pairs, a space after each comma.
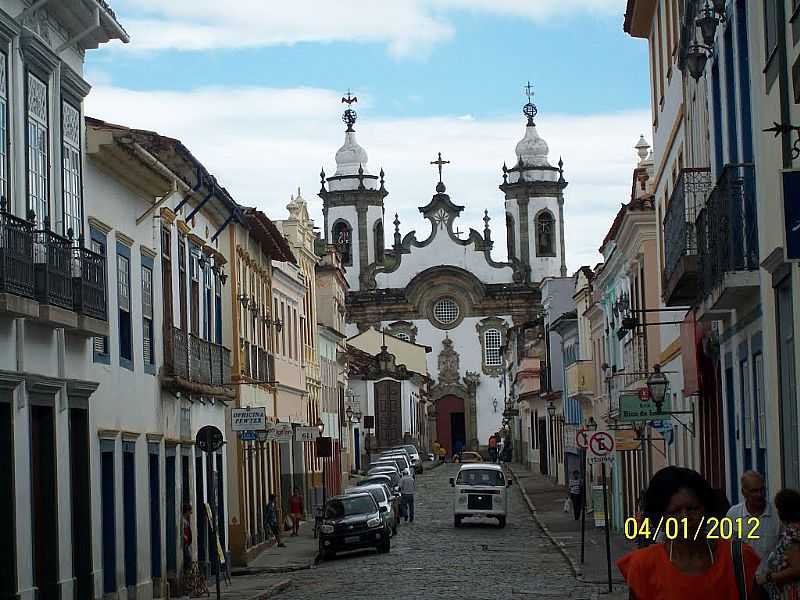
{"points": [[471, 410], [524, 231], [561, 233], [363, 245]]}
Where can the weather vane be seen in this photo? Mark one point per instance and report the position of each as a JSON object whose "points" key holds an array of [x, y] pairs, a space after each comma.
{"points": [[350, 116], [529, 110], [439, 163]]}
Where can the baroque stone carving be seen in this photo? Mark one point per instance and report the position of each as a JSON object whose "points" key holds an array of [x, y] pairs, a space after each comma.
{"points": [[448, 362]]}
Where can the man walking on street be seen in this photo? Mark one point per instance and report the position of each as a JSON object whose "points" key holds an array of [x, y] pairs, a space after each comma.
{"points": [[493, 448], [576, 494], [407, 489], [271, 520], [756, 505]]}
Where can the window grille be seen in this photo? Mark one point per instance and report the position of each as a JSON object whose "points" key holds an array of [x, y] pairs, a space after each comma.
{"points": [[491, 347], [446, 311]]}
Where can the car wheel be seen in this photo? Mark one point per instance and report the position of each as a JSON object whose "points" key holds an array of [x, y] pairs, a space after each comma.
{"points": [[384, 547], [502, 521], [457, 521], [325, 554]]}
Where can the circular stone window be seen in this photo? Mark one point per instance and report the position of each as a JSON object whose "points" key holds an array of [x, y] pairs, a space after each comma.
{"points": [[446, 311]]}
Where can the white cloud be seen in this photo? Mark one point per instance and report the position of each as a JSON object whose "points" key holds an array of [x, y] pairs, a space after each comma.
{"points": [[407, 26], [262, 143]]}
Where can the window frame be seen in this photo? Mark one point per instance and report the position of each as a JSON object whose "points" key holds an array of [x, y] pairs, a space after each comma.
{"points": [[494, 331], [124, 252], [545, 252], [148, 321], [98, 237], [5, 107], [34, 202], [71, 178]]}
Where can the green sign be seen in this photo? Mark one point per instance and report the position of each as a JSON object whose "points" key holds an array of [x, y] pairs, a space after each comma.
{"points": [[633, 408]]}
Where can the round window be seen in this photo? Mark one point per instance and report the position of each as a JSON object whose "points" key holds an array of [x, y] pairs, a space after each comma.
{"points": [[446, 311]]}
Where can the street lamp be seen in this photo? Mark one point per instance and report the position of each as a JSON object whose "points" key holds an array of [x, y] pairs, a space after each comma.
{"points": [[320, 425], [348, 413], [551, 409], [657, 383]]}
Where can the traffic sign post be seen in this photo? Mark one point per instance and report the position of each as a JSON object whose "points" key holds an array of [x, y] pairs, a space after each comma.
{"points": [[209, 439], [601, 446]]}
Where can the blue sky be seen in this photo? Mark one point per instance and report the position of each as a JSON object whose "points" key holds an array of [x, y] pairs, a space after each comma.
{"points": [[264, 78]]}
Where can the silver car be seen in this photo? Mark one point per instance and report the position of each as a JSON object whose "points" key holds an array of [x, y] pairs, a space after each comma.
{"points": [[383, 497]]}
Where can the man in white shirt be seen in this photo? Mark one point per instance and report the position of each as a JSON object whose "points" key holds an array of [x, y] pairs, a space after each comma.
{"points": [[756, 505], [407, 489]]}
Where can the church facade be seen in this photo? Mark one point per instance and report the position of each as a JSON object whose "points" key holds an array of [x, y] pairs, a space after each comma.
{"points": [[447, 290]]}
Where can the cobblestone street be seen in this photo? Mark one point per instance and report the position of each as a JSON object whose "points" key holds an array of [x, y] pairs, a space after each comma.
{"points": [[432, 559]]}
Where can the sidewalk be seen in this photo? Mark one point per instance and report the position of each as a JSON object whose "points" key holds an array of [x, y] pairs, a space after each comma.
{"points": [[546, 499]]}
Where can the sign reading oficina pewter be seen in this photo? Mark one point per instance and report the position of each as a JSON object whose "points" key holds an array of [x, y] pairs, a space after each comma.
{"points": [[632, 408], [209, 439], [249, 419], [306, 434]]}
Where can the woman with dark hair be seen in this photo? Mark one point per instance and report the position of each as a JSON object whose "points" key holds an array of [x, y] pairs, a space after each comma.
{"points": [[781, 578], [686, 566]]}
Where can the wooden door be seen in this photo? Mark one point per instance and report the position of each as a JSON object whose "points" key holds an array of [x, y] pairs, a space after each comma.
{"points": [[388, 414]]}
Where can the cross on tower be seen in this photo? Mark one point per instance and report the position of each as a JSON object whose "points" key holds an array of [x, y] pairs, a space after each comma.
{"points": [[349, 99], [529, 91], [439, 163]]}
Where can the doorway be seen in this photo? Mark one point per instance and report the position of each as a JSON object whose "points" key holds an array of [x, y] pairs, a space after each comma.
{"points": [[45, 506], [543, 441], [450, 424]]}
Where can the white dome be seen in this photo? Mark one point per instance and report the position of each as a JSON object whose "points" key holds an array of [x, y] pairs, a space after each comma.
{"points": [[532, 150], [350, 156]]}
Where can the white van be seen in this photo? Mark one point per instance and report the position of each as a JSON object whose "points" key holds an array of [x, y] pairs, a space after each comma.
{"points": [[480, 491]]}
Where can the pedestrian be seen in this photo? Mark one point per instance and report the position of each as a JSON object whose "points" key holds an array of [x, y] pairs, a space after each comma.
{"points": [[407, 489], [271, 520], [296, 510], [781, 573], [576, 493], [186, 526], [765, 535], [493, 448], [689, 566]]}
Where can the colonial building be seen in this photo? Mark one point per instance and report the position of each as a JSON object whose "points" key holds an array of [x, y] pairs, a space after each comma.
{"points": [[52, 302], [331, 297], [254, 242], [446, 291]]}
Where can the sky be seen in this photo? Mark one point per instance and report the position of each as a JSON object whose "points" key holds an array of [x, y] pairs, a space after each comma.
{"points": [[253, 88]]}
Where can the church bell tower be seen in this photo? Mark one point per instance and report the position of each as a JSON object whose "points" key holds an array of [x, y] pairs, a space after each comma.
{"points": [[352, 205], [534, 192]]}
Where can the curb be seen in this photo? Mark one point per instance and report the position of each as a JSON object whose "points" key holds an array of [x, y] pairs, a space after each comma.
{"points": [[272, 590], [577, 572], [273, 570]]}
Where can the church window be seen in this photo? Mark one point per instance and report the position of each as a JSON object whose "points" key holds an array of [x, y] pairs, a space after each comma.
{"points": [[378, 237], [403, 336], [342, 235], [545, 234], [491, 347], [510, 239], [446, 311]]}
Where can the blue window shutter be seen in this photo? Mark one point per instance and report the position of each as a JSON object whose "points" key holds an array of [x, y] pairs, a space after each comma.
{"points": [[125, 322], [99, 244]]}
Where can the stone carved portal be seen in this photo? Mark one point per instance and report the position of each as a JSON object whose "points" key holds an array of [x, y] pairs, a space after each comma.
{"points": [[451, 396]]}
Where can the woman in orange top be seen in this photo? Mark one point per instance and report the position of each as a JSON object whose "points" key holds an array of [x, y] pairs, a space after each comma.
{"points": [[685, 568]]}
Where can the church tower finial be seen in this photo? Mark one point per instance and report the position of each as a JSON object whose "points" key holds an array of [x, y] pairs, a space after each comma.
{"points": [[350, 116], [529, 110]]}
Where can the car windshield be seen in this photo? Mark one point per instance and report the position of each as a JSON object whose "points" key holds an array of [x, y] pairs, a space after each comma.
{"points": [[411, 449], [480, 477], [345, 507], [378, 494]]}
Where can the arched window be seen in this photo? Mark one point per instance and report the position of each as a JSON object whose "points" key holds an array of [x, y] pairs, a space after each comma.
{"points": [[511, 241], [491, 347], [342, 235], [545, 234], [378, 237]]}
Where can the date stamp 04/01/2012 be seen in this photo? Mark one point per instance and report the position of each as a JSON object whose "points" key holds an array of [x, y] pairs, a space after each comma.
{"points": [[710, 528]]}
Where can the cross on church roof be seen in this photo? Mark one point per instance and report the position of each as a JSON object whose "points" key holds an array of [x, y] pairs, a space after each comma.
{"points": [[528, 91], [529, 110], [439, 163]]}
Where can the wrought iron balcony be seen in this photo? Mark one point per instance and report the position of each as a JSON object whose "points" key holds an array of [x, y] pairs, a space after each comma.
{"points": [[727, 234], [197, 361], [53, 270], [680, 238]]}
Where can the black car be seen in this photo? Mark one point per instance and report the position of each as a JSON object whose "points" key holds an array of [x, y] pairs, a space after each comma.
{"points": [[353, 522]]}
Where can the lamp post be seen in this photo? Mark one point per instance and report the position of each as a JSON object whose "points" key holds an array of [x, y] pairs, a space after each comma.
{"points": [[551, 410], [591, 427], [657, 383], [321, 427]]}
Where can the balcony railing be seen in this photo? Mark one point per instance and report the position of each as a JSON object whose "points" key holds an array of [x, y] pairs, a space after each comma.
{"points": [[52, 269], [89, 284], [727, 229], [52, 256], [680, 238], [198, 361], [16, 256]]}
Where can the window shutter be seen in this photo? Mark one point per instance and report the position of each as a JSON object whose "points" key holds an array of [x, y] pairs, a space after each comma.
{"points": [[100, 345], [148, 341]]}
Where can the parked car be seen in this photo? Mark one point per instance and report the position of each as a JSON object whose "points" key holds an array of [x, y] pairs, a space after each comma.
{"points": [[384, 478], [384, 497], [411, 453], [480, 491], [467, 457], [352, 522], [393, 475], [386, 462], [402, 462]]}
